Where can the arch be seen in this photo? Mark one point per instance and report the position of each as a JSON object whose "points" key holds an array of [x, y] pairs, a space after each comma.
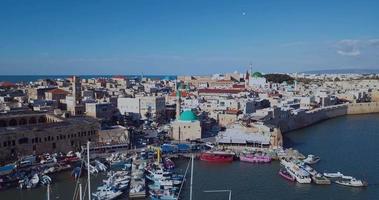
{"points": [[3, 123], [22, 121], [13, 122], [42, 119], [32, 120]]}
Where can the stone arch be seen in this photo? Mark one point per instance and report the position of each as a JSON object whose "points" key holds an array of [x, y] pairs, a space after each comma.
{"points": [[42, 119], [3, 123], [32, 120], [22, 121], [13, 122]]}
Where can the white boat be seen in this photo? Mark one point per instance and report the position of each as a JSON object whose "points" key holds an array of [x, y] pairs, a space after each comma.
{"points": [[311, 159], [32, 183], [333, 175], [100, 166], [106, 193], [352, 182], [300, 174]]}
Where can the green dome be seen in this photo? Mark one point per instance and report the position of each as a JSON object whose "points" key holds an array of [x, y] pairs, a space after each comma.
{"points": [[187, 116], [257, 74]]}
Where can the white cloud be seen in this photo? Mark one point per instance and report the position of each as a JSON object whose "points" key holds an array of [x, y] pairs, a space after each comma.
{"points": [[348, 47]]}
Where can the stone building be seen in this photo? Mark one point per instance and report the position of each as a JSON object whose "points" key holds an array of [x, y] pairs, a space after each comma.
{"points": [[35, 133]]}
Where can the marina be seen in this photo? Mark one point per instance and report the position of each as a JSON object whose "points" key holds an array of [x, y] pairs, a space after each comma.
{"points": [[180, 164]]}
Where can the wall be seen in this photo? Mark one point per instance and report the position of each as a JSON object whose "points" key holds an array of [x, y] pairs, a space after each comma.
{"points": [[311, 117]]}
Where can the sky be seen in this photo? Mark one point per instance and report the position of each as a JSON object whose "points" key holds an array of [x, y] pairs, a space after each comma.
{"points": [[55, 37]]}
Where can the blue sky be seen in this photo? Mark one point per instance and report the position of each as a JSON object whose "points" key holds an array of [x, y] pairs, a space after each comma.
{"points": [[186, 37]]}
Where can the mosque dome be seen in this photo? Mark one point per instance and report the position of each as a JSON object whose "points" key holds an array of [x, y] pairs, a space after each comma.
{"points": [[187, 115]]}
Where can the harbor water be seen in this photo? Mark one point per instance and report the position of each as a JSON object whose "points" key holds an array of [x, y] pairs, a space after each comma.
{"points": [[348, 144]]}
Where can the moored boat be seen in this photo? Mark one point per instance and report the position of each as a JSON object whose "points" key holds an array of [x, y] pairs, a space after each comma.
{"points": [[352, 182], [284, 173], [311, 159], [254, 158], [217, 156], [333, 175]]}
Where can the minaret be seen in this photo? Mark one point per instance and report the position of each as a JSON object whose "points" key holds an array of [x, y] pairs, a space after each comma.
{"points": [[178, 101]]}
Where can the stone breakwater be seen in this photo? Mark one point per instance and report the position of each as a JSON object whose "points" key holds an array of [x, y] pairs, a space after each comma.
{"points": [[308, 118]]}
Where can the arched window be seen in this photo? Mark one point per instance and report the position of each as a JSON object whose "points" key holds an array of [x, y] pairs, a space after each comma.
{"points": [[3, 123], [13, 122], [22, 121], [32, 120], [23, 140], [42, 119]]}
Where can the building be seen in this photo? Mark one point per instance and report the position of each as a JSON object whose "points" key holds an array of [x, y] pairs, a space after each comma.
{"points": [[104, 110], [143, 107], [37, 132], [187, 127]]}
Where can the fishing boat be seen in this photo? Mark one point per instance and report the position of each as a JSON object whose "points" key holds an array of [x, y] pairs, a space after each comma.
{"points": [[311, 159], [217, 156], [255, 158], [284, 173], [333, 175], [352, 182], [168, 163]]}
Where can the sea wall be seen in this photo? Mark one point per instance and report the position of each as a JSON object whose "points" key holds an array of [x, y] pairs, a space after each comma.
{"points": [[308, 118]]}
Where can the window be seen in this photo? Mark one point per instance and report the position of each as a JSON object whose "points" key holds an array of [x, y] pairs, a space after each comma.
{"points": [[23, 141]]}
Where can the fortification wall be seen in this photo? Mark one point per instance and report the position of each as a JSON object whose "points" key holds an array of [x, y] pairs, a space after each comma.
{"points": [[311, 117]]}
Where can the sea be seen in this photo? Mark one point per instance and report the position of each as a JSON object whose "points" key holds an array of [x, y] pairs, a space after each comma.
{"points": [[31, 78], [348, 144]]}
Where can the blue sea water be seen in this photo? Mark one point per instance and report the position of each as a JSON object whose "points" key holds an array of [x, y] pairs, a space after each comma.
{"points": [[23, 78]]}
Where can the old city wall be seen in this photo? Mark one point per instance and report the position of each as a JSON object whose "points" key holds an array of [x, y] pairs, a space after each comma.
{"points": [[311, 117]]}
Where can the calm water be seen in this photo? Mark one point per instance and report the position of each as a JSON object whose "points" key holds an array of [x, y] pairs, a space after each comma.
{"points": [[346, 144]]}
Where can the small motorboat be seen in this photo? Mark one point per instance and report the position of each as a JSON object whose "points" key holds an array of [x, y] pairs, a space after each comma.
{"points": [[333, 175], [284, 173], [311, 159], [352, 182]]}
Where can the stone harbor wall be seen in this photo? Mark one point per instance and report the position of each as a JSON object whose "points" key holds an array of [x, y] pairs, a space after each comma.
{"points": [[308, 118]]}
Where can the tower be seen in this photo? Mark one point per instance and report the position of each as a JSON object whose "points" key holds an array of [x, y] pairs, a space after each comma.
{"points": [[77, 108], [76, 90], [178, 102]]}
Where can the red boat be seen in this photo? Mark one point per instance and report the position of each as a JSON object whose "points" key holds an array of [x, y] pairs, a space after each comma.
{"points": [[217, 156]]}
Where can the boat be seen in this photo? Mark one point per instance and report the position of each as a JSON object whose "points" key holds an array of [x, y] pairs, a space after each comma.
{"points": [[45, 180], [300, 174], [333, 175], [311, 159], [217, 156], [168, 163], [284, 173], [255, 158], [320, 179], [7, 169], [107, 193], [352, 182]]}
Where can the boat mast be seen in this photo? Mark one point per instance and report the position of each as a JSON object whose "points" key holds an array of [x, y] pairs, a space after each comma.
{"points": [[89, 174], [48, 191], [80, 192], [191, 176]]}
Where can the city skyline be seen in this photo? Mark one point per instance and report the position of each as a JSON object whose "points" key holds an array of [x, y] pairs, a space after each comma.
{"points": [[197, 37]]}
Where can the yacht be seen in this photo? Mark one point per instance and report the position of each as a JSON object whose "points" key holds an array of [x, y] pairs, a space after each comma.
{"points": [[300, 174], [352, 182], [311, 159], [333, 175]]}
